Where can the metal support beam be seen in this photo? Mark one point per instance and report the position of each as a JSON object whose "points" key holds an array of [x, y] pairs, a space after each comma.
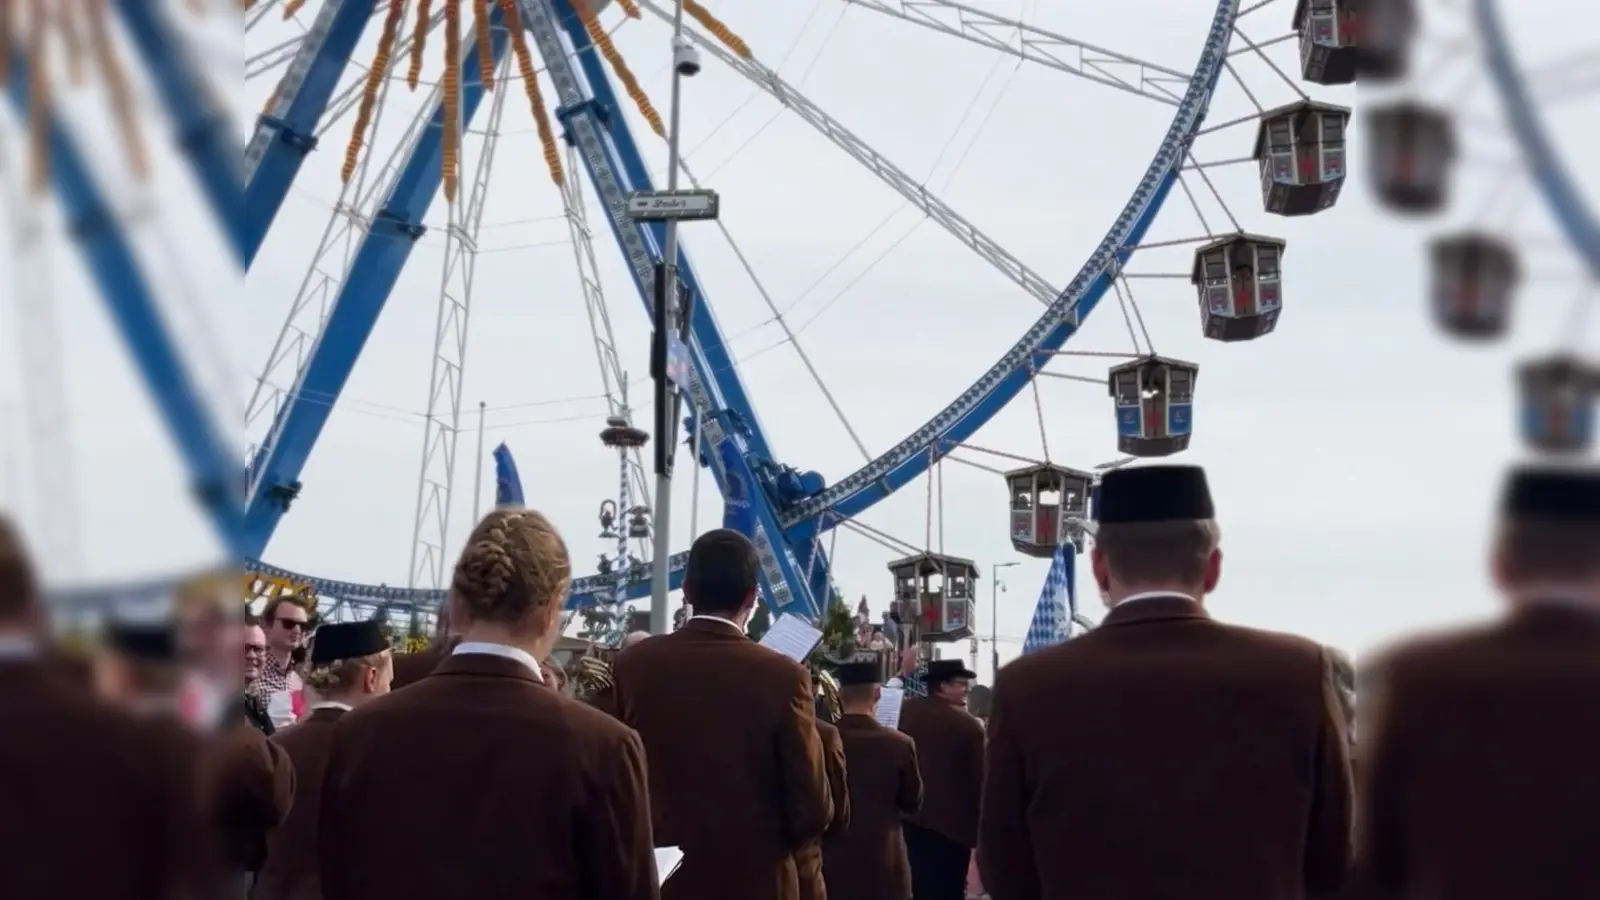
{"points": [[212, 463], [372, 276], [286, 133], [204, 132]]}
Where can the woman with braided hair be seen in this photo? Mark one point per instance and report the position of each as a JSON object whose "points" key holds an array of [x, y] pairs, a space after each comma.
{"points": [[478, 781]]}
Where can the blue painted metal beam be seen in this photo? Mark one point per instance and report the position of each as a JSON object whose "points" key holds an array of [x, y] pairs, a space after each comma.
{"points": [[376, 267], [616, 164], [286, 134], [204, 134], [212, 463]]}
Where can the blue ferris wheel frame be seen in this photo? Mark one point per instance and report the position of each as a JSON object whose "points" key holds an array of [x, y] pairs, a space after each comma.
{"points": [[788, 526], [1561, 194]]}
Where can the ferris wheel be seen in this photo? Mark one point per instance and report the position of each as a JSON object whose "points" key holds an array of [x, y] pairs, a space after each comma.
{"points": [[1495, 252], [1240, 140]]}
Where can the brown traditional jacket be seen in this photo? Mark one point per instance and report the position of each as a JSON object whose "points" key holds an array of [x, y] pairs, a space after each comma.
{"points": [[808, 860], [867, 861], [92, 806], [410, 668], [249, 794], [1166, 755], [737, 777], [290, 868], [1479, 761], [478, 782], [950, 753]]}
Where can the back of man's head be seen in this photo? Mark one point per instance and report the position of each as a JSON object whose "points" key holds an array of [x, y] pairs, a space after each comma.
{"points": [[1549, 532], [18, 587], [721, 577], [1156, 529]]}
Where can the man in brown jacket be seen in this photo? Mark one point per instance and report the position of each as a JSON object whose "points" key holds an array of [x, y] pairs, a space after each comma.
{"points": [[940, 837], [1479, 746], [808, 861], [89, 799], [350, 664], [737, 779], [477, 782], [1164, 754], [867, 861]]}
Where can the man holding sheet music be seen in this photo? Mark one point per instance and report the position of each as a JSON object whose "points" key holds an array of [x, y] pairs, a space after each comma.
{"points": [[867, 861], [735, 763]]}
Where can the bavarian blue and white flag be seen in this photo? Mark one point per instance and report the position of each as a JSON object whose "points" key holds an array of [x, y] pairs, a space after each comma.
{"points": [[507, 483], [1052, 615]]}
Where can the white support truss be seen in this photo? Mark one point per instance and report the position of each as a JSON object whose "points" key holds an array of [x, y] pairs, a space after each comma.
{"points": [[613, 379], [348, 224], [430, 533], [49, 476], [890, 174], [1047, 48]]}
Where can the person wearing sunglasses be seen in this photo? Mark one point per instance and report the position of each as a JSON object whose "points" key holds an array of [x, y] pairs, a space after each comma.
{"points": [[286, 624]]}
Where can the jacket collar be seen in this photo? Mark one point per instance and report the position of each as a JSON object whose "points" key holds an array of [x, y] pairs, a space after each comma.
{"points": [[714, 626], [1154, 608], [857, 721], [487, 664]]}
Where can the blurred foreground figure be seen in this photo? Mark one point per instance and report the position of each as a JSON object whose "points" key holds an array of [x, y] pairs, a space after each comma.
{"points": [[1481, 748], [1165, 755], [350, 664], [941, 835], [867, 860], [88, 804], [736, 770], [477, 782], [808, 861]]}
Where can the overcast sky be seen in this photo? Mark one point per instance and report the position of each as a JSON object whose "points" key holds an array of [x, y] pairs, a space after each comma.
{"points": [[1354, 454]]}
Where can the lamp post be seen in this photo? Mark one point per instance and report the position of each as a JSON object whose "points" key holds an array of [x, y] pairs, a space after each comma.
{"points": [[994, 614]]}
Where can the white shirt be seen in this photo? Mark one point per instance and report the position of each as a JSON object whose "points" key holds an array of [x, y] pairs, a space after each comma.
{"points": [[1151, 595], [728, 622], [331, 704], [504, 651]]}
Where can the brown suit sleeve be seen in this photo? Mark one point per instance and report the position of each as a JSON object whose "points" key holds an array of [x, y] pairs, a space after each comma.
{"points": [[838, 781], [908, 796], [976, 740], [617, 849], [254, 790], [807, 804], [1328, 837], [1005, 848]]}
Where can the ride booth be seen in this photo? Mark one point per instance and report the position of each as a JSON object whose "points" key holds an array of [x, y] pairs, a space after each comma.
{"points": [[1045, 499], [936, 594]]}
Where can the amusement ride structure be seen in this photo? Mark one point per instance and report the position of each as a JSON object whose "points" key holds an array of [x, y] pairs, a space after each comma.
{"points": [[1428, 60], [559, 56]]}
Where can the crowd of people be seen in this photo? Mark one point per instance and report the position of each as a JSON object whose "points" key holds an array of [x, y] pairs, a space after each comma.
{"points": [[1163, 756]]}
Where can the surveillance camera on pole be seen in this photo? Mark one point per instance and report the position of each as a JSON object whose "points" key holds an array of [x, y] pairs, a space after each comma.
{"points": [[685, 58]]}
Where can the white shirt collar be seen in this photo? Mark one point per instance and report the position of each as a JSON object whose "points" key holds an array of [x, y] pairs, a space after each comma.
{"points": [[18, 647], [710, 618], [331, 704], [1151, 595], [504, 651]]}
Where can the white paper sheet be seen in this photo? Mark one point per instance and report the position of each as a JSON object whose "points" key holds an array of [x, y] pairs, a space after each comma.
{"points": [[889, 702], [792, 636], [667, 861]]}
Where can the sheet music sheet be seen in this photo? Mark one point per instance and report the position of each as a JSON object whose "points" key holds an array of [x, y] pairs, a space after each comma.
{"points": [[792, 636], [667, 862], [889, 701]]}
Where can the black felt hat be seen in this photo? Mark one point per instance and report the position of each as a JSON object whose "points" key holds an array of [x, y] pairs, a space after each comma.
{"points": [[1552, 494], [946, 669], [346, 640], [1154, 494], [858, 673], [143, 641]]}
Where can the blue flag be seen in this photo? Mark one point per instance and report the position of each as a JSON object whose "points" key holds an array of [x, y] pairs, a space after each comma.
{"points": [[507, 483], [737, 513], [1058, 602]]}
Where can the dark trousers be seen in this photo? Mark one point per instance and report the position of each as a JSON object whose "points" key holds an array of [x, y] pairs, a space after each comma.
{"points": [[938, 864]]}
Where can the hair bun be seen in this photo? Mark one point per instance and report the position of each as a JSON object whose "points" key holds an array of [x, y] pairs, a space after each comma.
{"points": [[514, 563]]}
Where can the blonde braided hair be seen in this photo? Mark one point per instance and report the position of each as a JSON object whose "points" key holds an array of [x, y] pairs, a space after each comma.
{"points": [[515, 566]]}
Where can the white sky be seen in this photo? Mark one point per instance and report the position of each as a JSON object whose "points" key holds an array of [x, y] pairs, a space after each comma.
{"points": [[1353, 453]]}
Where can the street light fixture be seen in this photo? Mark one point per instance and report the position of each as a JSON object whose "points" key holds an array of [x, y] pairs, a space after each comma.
{"points": [[995, 587]]}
